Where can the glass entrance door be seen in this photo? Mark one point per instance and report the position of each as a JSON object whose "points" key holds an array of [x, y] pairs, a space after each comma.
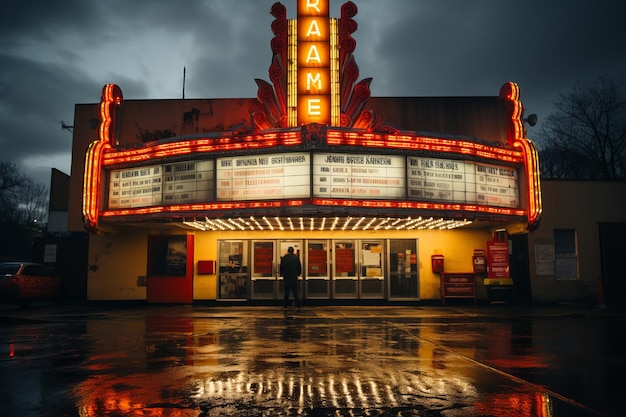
{"points": [[297, 249], [345, 278], [371, 265], [263, 273], [233, 270], [317, 277], [403, 278]]}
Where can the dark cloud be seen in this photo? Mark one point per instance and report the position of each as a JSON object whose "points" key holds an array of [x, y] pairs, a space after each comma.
{"points": [[33, 102], [472, 48], [54, 54]]}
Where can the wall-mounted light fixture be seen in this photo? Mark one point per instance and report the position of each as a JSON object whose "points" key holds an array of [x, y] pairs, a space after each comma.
{"points": [[531, 119]]}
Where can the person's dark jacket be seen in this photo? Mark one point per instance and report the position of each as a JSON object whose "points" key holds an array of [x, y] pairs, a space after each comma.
{"points": [[290, 267]]}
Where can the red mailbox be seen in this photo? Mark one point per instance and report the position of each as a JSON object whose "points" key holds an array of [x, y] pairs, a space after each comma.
{"points": [[437, 263]]}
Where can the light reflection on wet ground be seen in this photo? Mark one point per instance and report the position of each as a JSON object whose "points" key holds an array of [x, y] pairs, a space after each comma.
{"points": [[201, 361]]}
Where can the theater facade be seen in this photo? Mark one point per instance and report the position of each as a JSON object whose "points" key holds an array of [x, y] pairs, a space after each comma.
{"points": [[385, 199]]}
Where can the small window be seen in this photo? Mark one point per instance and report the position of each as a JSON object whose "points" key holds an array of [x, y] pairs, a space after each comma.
{"points": [[565, 254]]}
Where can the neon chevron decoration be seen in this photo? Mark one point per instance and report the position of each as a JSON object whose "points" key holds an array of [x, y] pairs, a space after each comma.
{"points": [[313, 72]]}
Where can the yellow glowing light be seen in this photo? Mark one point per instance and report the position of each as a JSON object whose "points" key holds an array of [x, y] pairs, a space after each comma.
{"points": [[312, 51], [313, 108], [312, 7]]}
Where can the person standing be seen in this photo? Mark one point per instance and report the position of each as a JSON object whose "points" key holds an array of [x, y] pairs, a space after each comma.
{"points": [[290, 268]]}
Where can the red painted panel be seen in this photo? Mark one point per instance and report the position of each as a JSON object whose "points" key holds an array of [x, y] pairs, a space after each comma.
{"points": [[177, 289]]}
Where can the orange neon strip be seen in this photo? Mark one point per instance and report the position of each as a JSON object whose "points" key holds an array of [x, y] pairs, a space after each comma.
{"points": [[111, 95], [378, 204], [529, 151], [204, 207], [535, 206], [90, 190], [292, 138], [421, 143], [203, 146]]}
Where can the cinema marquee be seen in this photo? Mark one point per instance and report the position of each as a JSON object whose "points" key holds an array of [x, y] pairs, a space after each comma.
{"points": [[197, 199]]}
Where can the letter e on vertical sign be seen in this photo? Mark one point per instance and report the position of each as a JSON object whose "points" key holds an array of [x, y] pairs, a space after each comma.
{"points": [[314, 101]]}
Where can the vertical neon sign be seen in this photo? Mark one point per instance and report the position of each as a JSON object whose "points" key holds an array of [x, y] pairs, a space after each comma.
{"points": [[111, 98], [314, 82], [516, 138]]}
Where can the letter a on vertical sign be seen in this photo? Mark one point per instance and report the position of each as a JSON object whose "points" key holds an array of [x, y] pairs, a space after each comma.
{"points": [[314, 100]]}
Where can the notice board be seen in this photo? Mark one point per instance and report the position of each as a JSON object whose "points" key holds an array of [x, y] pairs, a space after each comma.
{"points": [[458, 285]]}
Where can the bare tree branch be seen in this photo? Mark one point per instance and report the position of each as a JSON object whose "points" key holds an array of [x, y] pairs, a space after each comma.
{"points": [[23, 211], [585, 137]]}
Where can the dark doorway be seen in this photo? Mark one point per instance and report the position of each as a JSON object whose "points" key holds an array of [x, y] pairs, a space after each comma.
{"points": [[520, 268], [67, 253], [612, 256]]}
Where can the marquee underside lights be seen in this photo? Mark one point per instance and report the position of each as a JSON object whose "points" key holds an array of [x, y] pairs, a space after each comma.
{"points": [[324, 223]]}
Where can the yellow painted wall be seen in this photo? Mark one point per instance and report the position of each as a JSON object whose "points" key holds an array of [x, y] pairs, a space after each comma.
{"points": [[204, 286], [118, 259], [457, 247]]}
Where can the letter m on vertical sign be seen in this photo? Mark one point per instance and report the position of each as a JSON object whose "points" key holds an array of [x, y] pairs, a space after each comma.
{"points": [[314, 100]]}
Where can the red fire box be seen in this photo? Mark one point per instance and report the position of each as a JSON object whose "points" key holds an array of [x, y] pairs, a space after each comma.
{"points": [[437, 263], [206, 267]]}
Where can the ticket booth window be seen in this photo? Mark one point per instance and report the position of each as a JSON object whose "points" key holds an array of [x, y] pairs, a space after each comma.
{"points": [[403, 270]]}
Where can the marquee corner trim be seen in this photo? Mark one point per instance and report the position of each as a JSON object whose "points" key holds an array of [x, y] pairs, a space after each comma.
{"points": [[516, 137], [111, 98]]}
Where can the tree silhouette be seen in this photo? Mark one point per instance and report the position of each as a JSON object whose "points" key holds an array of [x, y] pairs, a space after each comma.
{"points": [[23, 212], [585, 138]]}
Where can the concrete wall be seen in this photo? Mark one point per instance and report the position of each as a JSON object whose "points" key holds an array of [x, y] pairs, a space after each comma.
{"points": [[578, 205]]}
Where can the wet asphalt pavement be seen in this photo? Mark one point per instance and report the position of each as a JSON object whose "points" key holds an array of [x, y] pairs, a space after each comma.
{"points": [[202, 361]]}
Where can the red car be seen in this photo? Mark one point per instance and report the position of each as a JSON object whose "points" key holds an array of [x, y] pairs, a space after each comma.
{"points": [[24, 282]]}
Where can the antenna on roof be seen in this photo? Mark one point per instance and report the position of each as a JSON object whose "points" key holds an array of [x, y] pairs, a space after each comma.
{"points": [[66, 127], [184, 76]]}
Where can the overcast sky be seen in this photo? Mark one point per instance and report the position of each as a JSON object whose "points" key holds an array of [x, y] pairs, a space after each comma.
{"points": [[55, 54]]}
